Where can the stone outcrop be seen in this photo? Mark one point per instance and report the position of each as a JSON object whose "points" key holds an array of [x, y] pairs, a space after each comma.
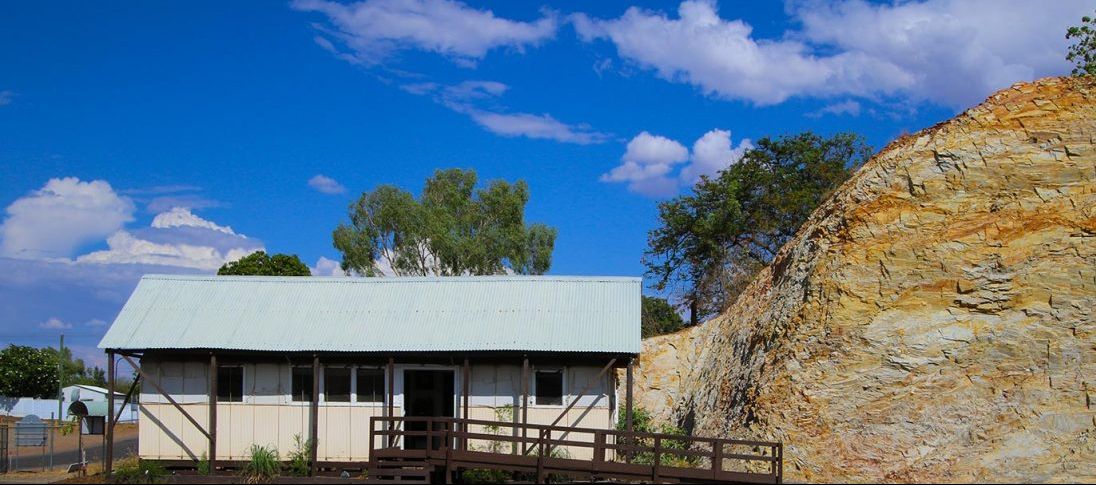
{"points": [[934, 320]]}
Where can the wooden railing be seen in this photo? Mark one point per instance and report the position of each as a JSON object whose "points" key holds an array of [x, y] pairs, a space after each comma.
{"points": [[470, 443]]}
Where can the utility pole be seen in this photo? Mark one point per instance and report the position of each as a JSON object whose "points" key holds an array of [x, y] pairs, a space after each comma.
{"points": [[60, 378]]}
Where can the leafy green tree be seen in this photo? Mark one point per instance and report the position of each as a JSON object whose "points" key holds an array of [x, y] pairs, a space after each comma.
{"points": [[28, 372], [1083, 52], [261, 264], [452, 229], [74, 370], [659, 317], [711, 243]]}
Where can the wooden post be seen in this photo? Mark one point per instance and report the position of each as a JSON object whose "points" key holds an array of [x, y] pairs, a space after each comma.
{"points": [[629, 382], [599, 446], [541, 454], [391, 398], [717, 459], [212, 413], [524, 402], [80, 445], [315, 415], [466, 387], [109, 466], [657, 460]]}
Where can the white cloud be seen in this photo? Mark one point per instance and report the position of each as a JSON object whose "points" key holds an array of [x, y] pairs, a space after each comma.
{"points": [[163, 198], [6, 96], [52, 223], [649, 162], [476, 98], [956, 51], [182, 217], [54, 324], [374, 29], [327, 267], [946, 51], [177, 238], [848, 107], [326, 185], [62, 216], [125, 248], [536, 126], [712, 153]]}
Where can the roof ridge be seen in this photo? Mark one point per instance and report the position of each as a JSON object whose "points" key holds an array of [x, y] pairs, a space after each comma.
{"points": [[389, 279]]}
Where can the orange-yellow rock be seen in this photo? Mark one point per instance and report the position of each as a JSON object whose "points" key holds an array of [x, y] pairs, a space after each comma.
{"points": [[934, 320]]}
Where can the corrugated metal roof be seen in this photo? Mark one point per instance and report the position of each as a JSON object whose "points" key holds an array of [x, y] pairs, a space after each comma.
{"points": [[527, 313]]}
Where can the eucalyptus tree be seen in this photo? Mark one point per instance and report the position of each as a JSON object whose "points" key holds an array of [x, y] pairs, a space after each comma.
{"points": [[453, 228], [710, 243]]}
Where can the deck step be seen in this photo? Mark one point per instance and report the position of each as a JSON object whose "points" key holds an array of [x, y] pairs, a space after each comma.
{"points": [[404, 471]]}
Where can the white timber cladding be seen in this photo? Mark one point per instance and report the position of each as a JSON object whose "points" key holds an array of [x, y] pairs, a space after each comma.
{"points": [[268, 416]]}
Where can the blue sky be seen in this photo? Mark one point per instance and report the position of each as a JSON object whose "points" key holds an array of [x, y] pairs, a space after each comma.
{"points": [[144, 137]]}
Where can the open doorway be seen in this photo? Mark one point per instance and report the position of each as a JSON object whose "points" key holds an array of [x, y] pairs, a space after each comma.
{"points": [[427, 393]]}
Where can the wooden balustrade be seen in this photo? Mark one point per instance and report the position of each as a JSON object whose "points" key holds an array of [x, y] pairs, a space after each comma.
{"points": [[653, 456]]}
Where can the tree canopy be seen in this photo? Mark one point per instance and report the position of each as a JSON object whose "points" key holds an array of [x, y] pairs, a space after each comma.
{"points": [[1083, 52], [32, 372], [710, 243], [261, 264], [27, 372], [659, 317], [453, 228]]}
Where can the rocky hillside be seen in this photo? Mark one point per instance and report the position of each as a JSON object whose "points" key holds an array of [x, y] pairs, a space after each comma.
{"points": [[935, 320]]}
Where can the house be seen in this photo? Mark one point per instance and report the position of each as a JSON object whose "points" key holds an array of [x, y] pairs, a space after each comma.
{"points": [[281, 358], [85, 392], [19, 407]]}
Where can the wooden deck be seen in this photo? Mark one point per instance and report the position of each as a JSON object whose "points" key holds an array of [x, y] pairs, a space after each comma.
{"points": [[410, 450]]}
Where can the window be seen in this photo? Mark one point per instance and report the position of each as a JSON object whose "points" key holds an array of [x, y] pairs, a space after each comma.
{"points": [[336, 384], [302, 384], [549, 387], [370, 385], [230, 384]]}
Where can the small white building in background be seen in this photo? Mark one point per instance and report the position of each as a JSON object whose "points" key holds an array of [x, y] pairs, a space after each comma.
{"points": [[19, 407], [86, 393]]}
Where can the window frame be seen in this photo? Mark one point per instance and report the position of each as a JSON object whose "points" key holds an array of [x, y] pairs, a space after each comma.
{"points": [[564, 397], [243, 383], [384, 385], [292, 398], [349, 389]]}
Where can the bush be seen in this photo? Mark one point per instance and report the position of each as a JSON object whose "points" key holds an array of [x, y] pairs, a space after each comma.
{"points": [[642, 423], [300, 459], [262, 465], [483, 475], [133, 470], [203, 464]]}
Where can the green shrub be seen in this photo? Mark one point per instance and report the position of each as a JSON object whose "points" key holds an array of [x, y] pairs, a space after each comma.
{"points": [[134, 470], [203, 464], [262, 465], [483, 475], [643, 423], [300, 459]]}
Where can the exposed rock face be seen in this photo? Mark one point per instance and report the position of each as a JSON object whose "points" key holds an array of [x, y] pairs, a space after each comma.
{"points": [[933, 321]]}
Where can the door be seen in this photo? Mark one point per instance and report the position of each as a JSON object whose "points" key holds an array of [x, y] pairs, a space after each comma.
{"points": [[427, 393]]}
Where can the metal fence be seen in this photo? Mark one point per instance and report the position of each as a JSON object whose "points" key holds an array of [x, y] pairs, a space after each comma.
{"points": [[4, 449], [49, 446]]}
